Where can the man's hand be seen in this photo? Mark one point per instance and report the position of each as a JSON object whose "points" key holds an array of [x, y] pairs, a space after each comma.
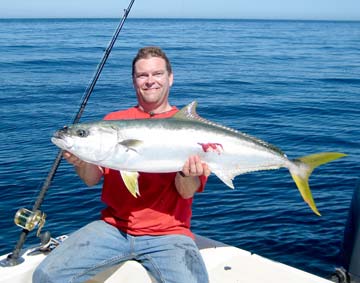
{"points": [[72, 159], [195, 167], [91, 174], [187, 181]]}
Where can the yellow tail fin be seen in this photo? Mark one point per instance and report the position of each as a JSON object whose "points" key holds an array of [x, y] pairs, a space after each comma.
{"points": [[303, 169]]}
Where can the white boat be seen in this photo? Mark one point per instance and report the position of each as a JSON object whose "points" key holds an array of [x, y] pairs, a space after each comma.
{"points": [[225, 264]]}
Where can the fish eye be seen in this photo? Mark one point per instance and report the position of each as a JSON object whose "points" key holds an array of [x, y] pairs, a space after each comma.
{"points": [[82, 133]]}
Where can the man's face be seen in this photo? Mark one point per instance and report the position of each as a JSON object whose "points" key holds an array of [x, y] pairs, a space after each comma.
{"points": [[152, 82]]}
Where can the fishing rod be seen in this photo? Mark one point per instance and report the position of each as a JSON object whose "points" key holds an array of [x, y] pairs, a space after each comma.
{"points": [[27, 219]]}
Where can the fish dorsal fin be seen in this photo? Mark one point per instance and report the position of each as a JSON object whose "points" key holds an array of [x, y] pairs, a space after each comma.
{"points": [[189, 113]]}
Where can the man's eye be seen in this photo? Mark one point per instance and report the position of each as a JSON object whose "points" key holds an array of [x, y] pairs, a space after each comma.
{"points": [[82, 133], [141, 76]]}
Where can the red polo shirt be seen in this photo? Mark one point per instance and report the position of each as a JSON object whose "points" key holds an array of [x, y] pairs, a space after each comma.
{"points": [[159, 210]]}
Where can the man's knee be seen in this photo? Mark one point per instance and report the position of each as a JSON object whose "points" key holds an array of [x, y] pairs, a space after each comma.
{"points": [[41, 276]]}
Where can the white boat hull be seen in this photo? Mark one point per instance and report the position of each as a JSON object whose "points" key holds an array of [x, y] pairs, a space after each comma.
{"points": [[225, 264]]}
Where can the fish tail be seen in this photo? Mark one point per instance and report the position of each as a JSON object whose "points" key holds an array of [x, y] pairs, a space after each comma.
{"points": [[302, 170]]}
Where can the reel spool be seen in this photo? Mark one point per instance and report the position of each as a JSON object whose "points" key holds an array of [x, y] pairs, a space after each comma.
{"points": [[28, 220]]}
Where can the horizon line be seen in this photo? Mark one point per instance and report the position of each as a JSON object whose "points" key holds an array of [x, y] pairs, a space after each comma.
{"points": [[183, 18]]}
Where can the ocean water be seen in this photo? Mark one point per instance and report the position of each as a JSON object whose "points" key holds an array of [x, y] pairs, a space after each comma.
{"points": [[294, 84]]}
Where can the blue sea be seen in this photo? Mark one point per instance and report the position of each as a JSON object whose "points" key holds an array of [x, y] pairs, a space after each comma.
{"points": [[294, 84]]}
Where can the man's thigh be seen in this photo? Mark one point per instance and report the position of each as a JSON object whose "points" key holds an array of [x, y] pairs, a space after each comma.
{"points": [[173, 258], [86, 252]]}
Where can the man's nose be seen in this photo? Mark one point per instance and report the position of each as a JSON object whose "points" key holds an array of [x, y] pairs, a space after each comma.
{"points": [[150, 79]]}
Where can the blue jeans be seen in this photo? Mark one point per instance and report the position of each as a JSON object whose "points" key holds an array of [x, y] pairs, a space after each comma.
{"points": [[98, 246]]}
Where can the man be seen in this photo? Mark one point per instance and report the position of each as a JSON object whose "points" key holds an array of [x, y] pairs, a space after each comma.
{"points": [[153, 229]]}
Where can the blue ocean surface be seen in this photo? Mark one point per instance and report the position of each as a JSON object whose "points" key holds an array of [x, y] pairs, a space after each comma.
{"points": [[294, 84]]}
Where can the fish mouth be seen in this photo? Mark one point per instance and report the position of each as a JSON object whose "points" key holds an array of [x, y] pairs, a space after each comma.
{"points": [[58, 135], [61, 140]]}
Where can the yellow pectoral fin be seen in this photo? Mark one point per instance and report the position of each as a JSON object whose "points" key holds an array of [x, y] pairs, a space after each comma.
{"points": [[131, 182]]}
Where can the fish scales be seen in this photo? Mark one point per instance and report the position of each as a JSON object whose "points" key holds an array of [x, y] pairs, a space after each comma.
{"points": [[180, 139]]}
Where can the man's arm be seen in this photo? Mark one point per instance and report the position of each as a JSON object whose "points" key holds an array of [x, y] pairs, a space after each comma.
{"points": [[188, 182], [91, 174]]}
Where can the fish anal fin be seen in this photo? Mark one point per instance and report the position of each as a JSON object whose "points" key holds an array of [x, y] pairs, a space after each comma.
{"points": [[225, 178], [131, 182]]}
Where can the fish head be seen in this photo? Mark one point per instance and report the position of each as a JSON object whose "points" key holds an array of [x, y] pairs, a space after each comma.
{"points": [[91, 142]]}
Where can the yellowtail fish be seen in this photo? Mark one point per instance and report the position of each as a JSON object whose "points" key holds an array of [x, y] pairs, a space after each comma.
{"points": [[163, 145]]}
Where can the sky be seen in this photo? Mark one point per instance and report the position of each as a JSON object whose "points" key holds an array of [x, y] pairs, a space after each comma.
{"points": [[236, 9]]}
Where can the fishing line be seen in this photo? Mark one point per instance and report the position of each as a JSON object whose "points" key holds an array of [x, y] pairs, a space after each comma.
{"points": [[13, 258]]}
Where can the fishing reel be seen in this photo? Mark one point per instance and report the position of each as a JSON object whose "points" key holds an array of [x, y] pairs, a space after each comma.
{"points": [[28, 219]]}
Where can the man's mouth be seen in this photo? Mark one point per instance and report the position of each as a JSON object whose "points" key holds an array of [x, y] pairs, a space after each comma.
{"points": [[152, 89]]}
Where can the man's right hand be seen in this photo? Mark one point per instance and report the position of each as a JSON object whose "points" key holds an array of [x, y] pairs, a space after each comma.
{"points": [[90, 173], [72, 159]]}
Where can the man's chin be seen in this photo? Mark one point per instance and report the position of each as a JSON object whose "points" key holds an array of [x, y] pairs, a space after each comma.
{"points": [[151, 92], [151, 97]]}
